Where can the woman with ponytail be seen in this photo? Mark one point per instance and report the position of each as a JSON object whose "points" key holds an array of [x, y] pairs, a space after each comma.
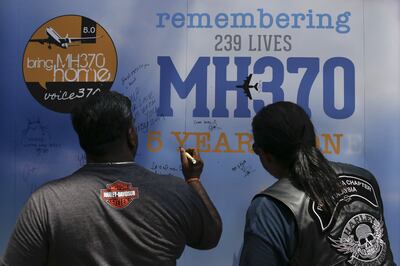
{"points": [[318, 212]]}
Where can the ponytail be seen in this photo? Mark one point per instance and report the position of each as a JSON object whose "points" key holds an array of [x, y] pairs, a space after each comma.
{"points": [[313, 174], [284, 130]]}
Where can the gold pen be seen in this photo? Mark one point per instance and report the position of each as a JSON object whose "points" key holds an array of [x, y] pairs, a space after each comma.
{"points": [[190, 157]]}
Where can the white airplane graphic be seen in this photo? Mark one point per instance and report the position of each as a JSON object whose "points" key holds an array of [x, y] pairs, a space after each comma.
{"points": [[55, 38]]}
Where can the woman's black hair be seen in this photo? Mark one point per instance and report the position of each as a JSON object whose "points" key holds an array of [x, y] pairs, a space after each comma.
{"points": [[284, 130]]}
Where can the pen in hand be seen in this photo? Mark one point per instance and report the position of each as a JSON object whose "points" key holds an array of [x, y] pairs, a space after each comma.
{"points": [[190, 157]]}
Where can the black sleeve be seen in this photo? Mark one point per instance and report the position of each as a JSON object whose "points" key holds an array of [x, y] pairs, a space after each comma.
{"points": [[28, 243]]}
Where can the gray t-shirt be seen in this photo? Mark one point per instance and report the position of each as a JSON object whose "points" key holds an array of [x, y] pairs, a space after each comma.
{"points": [[109, 215]]}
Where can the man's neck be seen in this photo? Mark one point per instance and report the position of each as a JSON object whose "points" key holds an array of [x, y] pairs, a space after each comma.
{"points": [[110, 158]]}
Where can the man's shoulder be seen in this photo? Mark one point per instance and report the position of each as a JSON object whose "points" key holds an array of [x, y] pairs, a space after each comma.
{"points": [[50, 187], [84, 173], [89, 178]]}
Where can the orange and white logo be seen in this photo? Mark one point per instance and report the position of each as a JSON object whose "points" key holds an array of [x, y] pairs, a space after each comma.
{"points": [[119, 194], [68, 59]]}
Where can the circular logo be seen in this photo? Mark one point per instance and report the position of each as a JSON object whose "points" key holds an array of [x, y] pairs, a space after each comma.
{"points": [[68, 59]]}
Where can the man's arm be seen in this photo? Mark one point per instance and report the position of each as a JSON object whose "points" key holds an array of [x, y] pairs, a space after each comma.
{"points": [[192, 174], [28, 243]]}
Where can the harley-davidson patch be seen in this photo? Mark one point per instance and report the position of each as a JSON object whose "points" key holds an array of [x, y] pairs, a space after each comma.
{"points": [[119, 194], [362, 241]]}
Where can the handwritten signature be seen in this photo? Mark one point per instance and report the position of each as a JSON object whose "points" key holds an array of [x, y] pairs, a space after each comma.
{"points": [[244, 167], [130, 78], [210, 124], [165, 168]]}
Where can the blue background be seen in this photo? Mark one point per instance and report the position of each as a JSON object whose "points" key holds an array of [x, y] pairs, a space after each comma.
{"points": [[23, 119]]}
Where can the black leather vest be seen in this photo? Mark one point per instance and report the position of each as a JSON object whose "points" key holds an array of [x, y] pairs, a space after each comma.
{"points": [[354, 235]]}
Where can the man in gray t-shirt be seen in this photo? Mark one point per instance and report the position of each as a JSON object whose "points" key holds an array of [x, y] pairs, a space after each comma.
{"points": [[113, 211]]}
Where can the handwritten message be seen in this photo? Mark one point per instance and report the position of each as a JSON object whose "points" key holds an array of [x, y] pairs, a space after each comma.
{"points": [[36, 137], [144, 103], [165, 168], [244, 168]]}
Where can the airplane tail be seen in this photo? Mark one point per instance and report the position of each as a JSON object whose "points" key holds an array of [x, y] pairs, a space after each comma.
{"points": [[255, 86]]}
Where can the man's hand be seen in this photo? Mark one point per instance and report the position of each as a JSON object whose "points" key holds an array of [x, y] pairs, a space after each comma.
{"points": [[189, 169]]}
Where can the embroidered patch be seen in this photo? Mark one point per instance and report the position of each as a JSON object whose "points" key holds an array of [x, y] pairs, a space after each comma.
{"points": [[119, 194], [361, 241], [354, 189]]}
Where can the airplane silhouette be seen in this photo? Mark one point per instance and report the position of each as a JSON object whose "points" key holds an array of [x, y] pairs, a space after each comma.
{"points": [[246, 86], [55, 38]]}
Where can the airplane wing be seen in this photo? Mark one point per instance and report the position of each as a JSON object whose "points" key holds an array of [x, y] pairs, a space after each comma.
{"points": [[247, 92], [42, 41], [246, 87], [247, 81]]}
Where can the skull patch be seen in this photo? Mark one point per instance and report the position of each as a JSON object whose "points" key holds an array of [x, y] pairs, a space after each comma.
{"points": [[362, 239]]}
